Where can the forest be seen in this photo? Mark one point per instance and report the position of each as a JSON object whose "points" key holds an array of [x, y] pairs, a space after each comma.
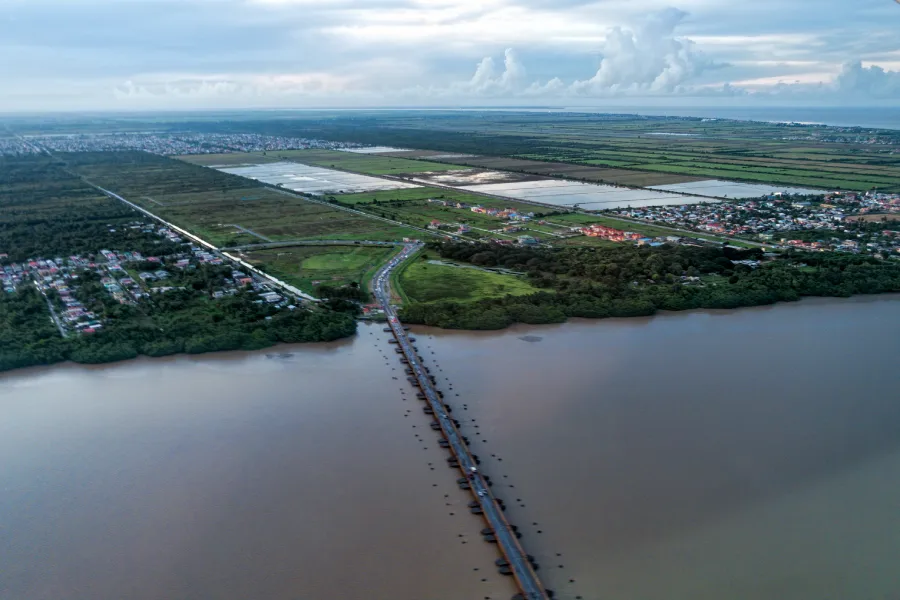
{"points": [[631, 281], [47, 212]]}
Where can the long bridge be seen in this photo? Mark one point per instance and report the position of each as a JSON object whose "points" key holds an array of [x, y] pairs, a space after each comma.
{"points": [[516, 560]]}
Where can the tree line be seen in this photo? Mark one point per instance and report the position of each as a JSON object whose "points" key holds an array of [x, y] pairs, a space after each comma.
{"points": [[626, 281]]}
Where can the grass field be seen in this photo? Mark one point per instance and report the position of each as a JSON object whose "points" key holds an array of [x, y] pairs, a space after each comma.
{"points": [[411, 206], [425, 282], [308, 266], [210, 203], [643, 151]]}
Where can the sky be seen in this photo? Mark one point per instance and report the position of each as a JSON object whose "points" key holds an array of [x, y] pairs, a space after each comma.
{"points": [[226, 54]]}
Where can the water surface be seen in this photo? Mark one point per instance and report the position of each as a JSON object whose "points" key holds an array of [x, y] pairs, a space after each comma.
{"points": [[747, 455]]}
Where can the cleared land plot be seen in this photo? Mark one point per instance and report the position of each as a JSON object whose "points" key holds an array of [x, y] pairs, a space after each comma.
{"points": [[430, 155], [308, 266], [210, 203], [587, 195], [280, 217], [372, 150], [426, 193], [227, 160], [425, 282], [371, 164], [728, 189], [876, 218], [313, 180], [413, 207], [573, 171], [463, 177]]}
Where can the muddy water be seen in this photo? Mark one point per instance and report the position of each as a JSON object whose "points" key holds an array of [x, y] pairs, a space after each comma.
{"points": [[232, 477], [746, 455]]}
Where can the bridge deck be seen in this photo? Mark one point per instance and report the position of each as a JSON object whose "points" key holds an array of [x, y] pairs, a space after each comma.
{"points": [[526, 578]]}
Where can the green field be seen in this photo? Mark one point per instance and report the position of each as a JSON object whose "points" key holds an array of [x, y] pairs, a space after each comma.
{"points": [[637, 150], [210, 203], [411, 206], [309, 266], [425, 282]]}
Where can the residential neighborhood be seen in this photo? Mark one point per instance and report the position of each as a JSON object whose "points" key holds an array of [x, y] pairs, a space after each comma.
{"points": [[163, 143], [128, 277], [850, 222]]}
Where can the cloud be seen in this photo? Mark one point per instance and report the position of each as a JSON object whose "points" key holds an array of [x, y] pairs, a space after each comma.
{"points": [[648, 59], [487, 82], [872, 81]]}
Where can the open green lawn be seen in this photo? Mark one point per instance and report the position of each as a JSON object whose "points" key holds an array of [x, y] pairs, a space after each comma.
{"points": [[424, 282], [308, 266]]}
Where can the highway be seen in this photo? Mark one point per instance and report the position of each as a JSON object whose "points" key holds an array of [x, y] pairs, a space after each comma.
{"points": [[526, 578]]}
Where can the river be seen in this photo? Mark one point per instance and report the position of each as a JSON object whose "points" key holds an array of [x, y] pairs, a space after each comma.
{"points": [[752, 454]]}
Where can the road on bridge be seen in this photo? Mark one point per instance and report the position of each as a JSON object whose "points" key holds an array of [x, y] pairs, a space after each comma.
{"points": [[526, 578]]}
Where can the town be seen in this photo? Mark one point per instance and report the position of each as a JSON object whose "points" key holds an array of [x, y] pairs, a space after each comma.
{"points": [[163, 144], [128, 277], [848, 222]]}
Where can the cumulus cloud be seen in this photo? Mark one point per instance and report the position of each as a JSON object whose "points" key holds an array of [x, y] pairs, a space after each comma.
{"points": [[872, 82], [647, 59], [487, 81]]}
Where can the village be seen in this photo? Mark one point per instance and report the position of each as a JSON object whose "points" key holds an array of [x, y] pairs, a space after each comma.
{"points": [[846, 222], [128, 277], [163, 143]]}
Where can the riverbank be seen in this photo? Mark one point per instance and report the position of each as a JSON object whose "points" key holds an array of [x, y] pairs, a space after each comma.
{"points": [[694, 455], [233, 476]]}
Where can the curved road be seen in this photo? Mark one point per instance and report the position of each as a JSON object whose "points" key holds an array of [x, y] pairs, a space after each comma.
{"points": [[526, 578]]}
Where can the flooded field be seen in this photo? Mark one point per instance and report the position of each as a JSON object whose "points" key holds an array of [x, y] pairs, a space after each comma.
{"points": [[594, 196], [372, 150], [468, 177], [715, 188], [313, 180]]}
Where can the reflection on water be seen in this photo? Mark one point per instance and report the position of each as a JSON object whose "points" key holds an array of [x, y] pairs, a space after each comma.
{"points": [[742, 455]]}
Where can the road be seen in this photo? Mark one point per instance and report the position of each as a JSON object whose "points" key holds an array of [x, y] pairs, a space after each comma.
{"points": [[285, 287], [250, 232], [683, 232], [526, 578], [53, 316]]}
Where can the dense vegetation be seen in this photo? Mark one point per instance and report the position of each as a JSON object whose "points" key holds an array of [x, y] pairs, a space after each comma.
{"points": [[180, 320], [630, 281], [47, 212]]}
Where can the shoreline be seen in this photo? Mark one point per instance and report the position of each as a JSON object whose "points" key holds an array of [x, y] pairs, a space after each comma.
{"points": [[281, 348], [669, 313]]}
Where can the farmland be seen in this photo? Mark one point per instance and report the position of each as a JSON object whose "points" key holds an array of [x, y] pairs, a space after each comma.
{"points": [[420, 206], [369, 164], [308, 266], [216, 205], [638, 151]]}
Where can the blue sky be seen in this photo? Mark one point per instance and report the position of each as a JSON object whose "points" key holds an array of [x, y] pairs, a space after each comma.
{"points": [[185, 54]]}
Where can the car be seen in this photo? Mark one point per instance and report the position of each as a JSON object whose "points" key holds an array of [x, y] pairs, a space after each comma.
{"points": [[481, 494]]}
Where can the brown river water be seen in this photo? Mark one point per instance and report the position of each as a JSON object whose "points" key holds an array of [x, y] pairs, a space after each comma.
{"points": [[749, 455]]}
